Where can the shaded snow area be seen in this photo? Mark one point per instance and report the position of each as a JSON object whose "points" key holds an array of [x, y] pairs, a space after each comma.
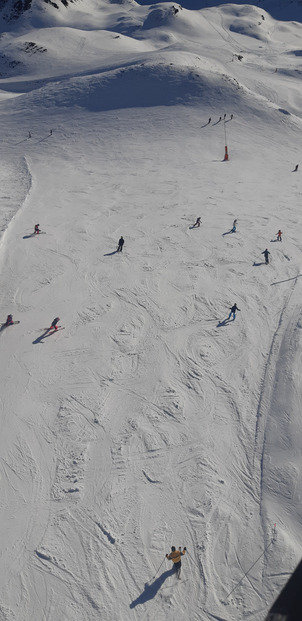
{"points": [[150, 419]]}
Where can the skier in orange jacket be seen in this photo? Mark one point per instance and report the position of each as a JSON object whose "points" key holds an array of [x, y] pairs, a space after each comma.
{"points": [[279, 238], [175, 556]]}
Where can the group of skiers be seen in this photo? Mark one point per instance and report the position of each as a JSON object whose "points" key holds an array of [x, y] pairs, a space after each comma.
{"points": [[266, 254], [220, 119], [54, 326]]}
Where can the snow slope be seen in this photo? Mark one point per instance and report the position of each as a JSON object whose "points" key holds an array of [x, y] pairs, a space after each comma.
{"points": [[149, 420]]}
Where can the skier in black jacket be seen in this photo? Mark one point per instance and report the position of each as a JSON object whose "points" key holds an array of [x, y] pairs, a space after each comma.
{"points": [[266, 253], [121, 242], [233, 311]]}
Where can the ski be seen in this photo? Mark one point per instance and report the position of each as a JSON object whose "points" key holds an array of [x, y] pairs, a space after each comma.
{"points": [[53, 330]]}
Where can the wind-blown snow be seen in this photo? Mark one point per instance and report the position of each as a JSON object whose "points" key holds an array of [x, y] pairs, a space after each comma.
{"points": [[149, 420]]}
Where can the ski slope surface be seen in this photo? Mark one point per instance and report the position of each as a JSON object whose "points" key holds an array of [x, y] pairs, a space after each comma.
{"points": [[150, 419]]}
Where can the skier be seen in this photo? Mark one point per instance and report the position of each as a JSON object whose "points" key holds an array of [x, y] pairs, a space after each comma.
{"points": [[29, 134], [175, 556], [224, 117], [233, 311], [297, 166], [197, 223], [209, 121], [266, 253], [37, 230], [234, 226], [279, 238], [9, 321], [54, 323], [231, 116], [121, 242], [220, 119]]}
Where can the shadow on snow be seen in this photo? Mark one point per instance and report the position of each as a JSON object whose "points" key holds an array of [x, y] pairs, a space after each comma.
{"points": [[151, 589]]}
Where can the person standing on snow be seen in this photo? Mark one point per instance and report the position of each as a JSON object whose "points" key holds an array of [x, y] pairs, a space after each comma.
{"points": [[266, 253], [54, 324], [37, 230], [175, 557], [279, 238], [233, 311], [234, 226], [9, 320], [121, 242]]}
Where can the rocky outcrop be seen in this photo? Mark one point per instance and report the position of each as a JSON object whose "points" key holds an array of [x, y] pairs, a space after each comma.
{"points": [[13, 9]]}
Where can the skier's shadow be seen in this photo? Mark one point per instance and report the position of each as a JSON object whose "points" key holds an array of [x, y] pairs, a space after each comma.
{"points": [[109, 254], [43, 336], [46, 138], [224, 322], [28, 236], [151, 589], [228, 232], [257, 264], [193, 227]]}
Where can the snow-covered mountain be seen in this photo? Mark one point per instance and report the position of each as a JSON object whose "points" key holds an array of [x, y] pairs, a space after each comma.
{"points": [[150, 419]]}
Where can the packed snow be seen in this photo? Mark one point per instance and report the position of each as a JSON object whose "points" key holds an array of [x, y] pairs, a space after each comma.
{"points": [[150, 419]]}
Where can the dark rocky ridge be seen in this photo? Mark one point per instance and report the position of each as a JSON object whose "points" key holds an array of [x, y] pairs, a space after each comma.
{"points": [[13, 9]]}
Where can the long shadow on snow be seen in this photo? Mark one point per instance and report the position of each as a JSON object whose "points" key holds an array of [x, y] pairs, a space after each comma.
{"points": [[43, 336], [151, 589], [228, 232], [109, 254], [224, 322]]}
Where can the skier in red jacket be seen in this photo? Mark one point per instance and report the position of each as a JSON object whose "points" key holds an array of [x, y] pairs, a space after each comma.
{"points": [[54, 323]]}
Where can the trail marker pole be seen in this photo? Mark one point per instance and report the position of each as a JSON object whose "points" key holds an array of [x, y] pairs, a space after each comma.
{"points": [[226, 155]]}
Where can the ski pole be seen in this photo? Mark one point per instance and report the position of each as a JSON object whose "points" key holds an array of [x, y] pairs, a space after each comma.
{"points": [[157, 570]]}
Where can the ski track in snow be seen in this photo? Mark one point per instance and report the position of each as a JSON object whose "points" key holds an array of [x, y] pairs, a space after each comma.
{"points": [[150, 421]]}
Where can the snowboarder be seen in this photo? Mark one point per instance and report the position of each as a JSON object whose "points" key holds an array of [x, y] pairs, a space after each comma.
{"points": [[121, 242], [266, 253], [233, 311], [9, 320], [37, 230], [54, 324], [279, 238], [175, 556], [197, 223], [234, 226]]}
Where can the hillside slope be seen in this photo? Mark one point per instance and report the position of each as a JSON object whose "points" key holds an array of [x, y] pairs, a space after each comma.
{"points": [[149, 420]]}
